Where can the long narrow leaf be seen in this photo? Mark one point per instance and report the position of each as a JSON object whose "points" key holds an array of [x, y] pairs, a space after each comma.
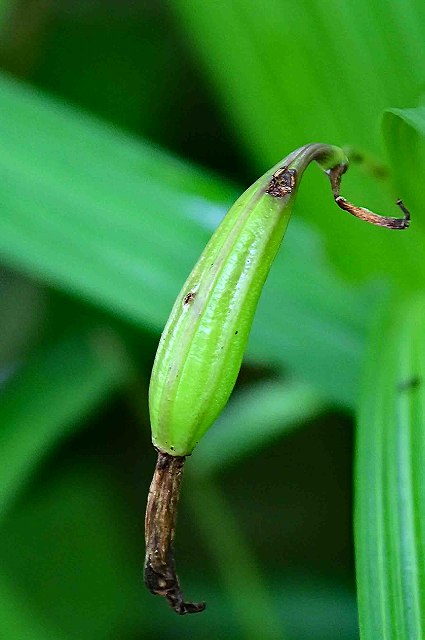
{"points": [[390, 480]]}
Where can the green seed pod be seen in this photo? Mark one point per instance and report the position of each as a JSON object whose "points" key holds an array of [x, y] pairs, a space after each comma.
{"points": [[202, 346]]}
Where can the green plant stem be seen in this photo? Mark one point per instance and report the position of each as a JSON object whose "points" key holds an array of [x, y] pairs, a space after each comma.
{"points": [[235, 561]]}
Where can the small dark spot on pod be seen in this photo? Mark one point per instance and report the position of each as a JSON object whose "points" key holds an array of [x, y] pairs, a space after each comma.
{"points": [[236, 333], [189, 297]]}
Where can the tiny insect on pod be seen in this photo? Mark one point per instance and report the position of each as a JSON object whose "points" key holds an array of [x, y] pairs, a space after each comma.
{"points": [[202, 345]]}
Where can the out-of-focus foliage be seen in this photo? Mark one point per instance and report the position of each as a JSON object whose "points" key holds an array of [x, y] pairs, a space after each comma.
{"points": [[108, 110]]}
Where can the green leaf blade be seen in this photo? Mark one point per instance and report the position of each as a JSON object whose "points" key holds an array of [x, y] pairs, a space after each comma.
{"points": [[390, 480]]}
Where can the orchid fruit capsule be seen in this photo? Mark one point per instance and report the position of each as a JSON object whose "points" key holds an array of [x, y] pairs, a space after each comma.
{"points": [[202, 345]]}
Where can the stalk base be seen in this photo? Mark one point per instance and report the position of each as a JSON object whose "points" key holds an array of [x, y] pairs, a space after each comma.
{"points": [[160, 571]]}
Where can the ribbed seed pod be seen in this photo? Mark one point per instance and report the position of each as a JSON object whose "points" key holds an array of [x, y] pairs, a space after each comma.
{"points": [[202, 346]]}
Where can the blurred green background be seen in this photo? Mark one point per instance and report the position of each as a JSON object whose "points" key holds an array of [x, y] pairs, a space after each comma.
{"points": [[127, 128]]}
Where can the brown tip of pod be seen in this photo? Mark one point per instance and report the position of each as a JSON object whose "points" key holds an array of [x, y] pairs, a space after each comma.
{"points": [[160, 571]]}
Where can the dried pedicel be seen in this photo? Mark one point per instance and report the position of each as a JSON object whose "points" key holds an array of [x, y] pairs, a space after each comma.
{"points": [[202, 345]]}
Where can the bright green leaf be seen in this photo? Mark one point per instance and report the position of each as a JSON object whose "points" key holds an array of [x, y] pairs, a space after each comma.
{"points": [[390, 479], [307, 71]]}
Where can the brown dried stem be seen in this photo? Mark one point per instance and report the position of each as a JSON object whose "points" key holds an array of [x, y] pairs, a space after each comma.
{"points": [[361, 212], [161, 512]]}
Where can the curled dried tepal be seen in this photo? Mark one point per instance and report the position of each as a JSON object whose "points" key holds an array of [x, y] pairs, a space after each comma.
{"points": [[201, 348]]}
